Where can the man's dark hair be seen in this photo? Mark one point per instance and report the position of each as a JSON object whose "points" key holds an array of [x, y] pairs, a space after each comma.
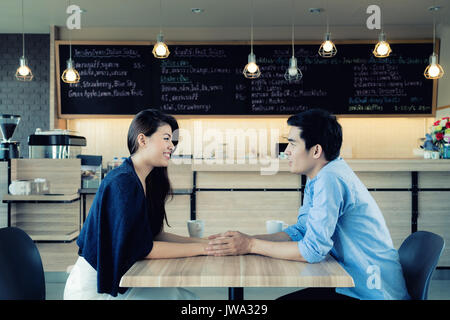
{"points": [[319, 127]]}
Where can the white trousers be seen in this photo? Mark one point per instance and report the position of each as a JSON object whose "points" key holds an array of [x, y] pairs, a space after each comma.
{"points": [[82, 285]]}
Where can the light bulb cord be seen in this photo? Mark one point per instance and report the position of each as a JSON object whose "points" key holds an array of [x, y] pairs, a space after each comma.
{"points": [[327, 16], [434, 32], [23, 33], [292, 26], [70, 38], [251, 29], [160, 16]]}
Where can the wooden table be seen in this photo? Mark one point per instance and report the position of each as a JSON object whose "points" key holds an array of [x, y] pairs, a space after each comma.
{"points": [[235, 272]]}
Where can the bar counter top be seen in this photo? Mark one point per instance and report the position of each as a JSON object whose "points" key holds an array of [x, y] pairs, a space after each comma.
{"points": [[367, 165]]}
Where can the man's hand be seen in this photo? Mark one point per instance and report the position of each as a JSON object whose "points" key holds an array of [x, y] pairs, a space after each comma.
{"points": [[229, 243]]}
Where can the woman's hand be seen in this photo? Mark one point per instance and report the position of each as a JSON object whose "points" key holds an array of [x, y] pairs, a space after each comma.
{"points": [[229, 243]]}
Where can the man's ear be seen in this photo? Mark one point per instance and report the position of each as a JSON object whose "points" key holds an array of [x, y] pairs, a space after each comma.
{"points": [[317, 151]]}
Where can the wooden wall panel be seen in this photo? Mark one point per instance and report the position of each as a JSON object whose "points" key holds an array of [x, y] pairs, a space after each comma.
{"points": [[245, 211], [396, 209], [249, 180], [180, 175], [64, 174], [178, 212], [434, 179], [434, 213], [401, 180]]}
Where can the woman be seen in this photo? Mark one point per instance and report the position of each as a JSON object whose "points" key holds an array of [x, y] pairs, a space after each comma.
{"points": [[125, 222]]}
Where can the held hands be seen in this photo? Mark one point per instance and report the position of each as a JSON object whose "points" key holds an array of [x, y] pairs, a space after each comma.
{"points": [[229, 243]]}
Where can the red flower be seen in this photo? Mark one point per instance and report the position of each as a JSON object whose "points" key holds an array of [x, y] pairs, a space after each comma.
{"points": [[446, 118], [447, 125], [439, 136], [437, 123]]}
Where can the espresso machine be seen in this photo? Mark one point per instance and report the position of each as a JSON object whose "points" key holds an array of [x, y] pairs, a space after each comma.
{"points": [[9, 149]]}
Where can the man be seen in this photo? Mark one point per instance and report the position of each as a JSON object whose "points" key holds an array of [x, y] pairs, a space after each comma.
{"points": [[338, 217]]}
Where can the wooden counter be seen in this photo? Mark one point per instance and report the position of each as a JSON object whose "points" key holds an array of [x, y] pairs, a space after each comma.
{"points": [[54, 217], [366, 165]]}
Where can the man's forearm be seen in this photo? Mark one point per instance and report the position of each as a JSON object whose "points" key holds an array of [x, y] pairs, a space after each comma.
{"points": [[281, 250], [279, 236]]}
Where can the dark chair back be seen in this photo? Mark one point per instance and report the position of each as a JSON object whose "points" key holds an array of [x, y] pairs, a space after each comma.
{"points": [[419, 255], [21, 272]]}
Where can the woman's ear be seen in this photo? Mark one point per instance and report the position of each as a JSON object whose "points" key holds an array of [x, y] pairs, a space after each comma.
{"points": [[141, 140]]}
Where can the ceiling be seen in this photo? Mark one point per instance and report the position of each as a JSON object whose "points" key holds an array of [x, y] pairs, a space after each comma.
{"points": [[40, 14]]}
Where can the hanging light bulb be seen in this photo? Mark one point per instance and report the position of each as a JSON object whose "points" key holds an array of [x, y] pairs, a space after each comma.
{"points": [[160, 49], [434, 69], [382, 48], [251, 69], [70, 75], [327, 48], [293, 72], [23, 72]]}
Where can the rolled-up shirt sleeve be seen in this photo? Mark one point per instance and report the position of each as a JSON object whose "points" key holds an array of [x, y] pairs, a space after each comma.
{"points": [[294, 232], [327, 205]]}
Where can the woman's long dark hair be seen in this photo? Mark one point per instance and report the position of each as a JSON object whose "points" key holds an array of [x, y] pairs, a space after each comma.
{"points": [[157, 182]]}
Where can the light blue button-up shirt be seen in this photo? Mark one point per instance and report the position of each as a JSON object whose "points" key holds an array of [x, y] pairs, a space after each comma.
{"points": [[340, 217]]}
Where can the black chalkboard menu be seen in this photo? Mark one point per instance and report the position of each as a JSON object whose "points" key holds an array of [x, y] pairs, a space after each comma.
{"points": [[207, 79]]}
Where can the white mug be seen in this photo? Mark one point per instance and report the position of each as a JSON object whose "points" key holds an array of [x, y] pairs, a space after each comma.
{"points": [[196, 228], [20, 187], [274, 226]]}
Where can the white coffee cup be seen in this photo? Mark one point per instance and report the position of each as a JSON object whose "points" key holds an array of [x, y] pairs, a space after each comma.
{"points": [[196, 228], [20, 187], [274, 226]]}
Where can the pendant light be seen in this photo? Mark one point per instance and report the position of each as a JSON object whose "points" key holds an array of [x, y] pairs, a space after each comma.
{"points": [[251, 69], [293, 73], [434, 69], [382, 48], [23, 72], [327, 48], [70, 75], [160, 49]]}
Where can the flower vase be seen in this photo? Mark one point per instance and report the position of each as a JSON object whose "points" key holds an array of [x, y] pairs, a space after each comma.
{"points": [[444, 151]]}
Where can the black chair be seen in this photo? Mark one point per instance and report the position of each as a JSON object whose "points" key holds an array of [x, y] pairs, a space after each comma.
{"points": [[419, 255], [21, 272]]}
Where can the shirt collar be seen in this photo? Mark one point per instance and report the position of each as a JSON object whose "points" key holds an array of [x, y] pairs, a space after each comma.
{"points": [[329, 166]]}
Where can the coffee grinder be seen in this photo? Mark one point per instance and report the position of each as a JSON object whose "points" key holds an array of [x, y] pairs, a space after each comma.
{"points": [[9, 149]]}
